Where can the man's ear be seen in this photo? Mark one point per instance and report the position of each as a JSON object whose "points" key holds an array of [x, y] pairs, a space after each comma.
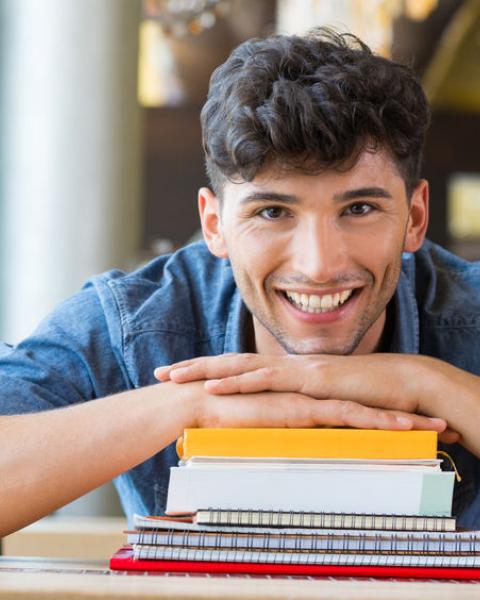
{"points": [[418, 218], [210, 218]]}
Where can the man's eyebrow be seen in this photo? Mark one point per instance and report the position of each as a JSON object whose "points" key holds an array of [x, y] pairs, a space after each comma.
{"points": [[269, 197], [367, 192]]}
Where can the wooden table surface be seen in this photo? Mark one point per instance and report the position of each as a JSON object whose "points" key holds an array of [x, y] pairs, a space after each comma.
{"points": [[25, 578]]}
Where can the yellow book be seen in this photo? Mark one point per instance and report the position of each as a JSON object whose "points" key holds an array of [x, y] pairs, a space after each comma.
{"points": [[308, 443]]}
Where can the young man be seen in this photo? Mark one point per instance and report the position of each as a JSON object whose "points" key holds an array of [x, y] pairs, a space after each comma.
{"points": [[313, 302]]}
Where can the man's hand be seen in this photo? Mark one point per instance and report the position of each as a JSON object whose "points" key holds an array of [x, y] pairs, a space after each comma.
{"points": [[413, 387], [394, 381], [254, 393]]}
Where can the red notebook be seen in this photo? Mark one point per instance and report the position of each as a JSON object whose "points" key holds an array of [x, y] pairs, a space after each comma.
{"points": [[123, 560]]}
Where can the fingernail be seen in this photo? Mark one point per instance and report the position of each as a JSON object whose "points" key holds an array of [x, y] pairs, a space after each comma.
{"points": [[404, 421], [212, 381], [437, 421]]}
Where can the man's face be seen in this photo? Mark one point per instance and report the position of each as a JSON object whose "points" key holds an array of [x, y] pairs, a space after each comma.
{"points": [[317, 257]]}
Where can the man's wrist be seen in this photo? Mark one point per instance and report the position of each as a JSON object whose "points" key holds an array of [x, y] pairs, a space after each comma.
{"points": [[189, 401], [449, 392]]}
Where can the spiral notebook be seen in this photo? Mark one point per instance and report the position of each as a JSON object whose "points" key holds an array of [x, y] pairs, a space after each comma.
{"points": [[151, 544], [322, 520], [182, 545], [123, 560], [268, 520], [153, 535]]}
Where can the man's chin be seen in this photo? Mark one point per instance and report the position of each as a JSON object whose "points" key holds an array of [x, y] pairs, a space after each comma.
{"points": [[314, 347], [295, 341]]}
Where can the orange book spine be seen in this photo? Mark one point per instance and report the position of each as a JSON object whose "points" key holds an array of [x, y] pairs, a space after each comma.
{"points": [[308, 443]]}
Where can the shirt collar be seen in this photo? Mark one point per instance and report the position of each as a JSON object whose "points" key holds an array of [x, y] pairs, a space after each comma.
{"points": [[238, 323], [406, 330]]}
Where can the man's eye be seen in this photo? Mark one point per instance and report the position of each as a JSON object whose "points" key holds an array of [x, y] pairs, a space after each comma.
{"points": [[359, 209], [272, 213]]}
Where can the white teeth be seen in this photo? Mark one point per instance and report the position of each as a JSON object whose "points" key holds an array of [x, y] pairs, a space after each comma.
{"points": [[314, 303], [327, 302], [296, 298]]}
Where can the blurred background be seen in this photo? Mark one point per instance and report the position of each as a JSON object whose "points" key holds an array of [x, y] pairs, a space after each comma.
{"points": [[100, 150]]}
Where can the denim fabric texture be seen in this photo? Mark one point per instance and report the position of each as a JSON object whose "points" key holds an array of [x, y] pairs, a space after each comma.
{"points": [[112, 334]]}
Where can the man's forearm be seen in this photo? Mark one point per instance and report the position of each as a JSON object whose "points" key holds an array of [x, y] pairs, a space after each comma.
{"points": [[48, 459], [51, 458], [454, 395]]}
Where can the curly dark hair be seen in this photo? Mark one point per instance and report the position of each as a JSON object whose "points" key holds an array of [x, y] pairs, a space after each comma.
{"points": [[310, 103]]}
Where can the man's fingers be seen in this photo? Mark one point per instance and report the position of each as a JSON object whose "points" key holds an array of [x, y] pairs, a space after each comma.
{"points": [[449, 436], [333, 413], [272, 379], [297, 410], [427, 423], [211, 367], [341, 413], [163, 373]]}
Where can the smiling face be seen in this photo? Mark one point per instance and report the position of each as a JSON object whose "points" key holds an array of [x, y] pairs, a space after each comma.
{"points": [[317, 257]]}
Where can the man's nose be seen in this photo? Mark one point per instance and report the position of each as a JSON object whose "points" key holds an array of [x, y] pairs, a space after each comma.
{"points": [[320, 252]]}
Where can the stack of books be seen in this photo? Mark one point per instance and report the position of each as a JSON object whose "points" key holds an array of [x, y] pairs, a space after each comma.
{"points": [[306, 502]]}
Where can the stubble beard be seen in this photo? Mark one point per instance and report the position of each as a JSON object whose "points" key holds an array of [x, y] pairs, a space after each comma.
{"points": [[367, 319], [314, 347]]}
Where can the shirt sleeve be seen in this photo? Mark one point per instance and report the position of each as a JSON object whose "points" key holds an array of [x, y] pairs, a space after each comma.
{"points": [[68, 359]]}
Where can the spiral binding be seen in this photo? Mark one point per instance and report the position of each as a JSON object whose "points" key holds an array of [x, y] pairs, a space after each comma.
{"points": [[215, 555], [266, 518], [455, 544]]}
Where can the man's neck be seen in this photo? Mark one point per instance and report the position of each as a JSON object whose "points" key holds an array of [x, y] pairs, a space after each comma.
{"points": [[372, 340]]}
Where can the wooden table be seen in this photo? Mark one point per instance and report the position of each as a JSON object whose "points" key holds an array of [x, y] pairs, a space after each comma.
{"points": [[62, 579], [85, 538]]}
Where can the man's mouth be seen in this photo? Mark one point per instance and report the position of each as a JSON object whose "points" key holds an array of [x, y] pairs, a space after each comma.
{"points": [[314, 303]]}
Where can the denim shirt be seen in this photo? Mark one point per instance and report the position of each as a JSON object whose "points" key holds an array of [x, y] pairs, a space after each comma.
{"points": [[111, 335]]}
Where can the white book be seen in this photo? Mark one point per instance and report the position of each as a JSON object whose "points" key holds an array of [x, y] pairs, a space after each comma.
{"points": [[213, 462], [345, 490]]}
